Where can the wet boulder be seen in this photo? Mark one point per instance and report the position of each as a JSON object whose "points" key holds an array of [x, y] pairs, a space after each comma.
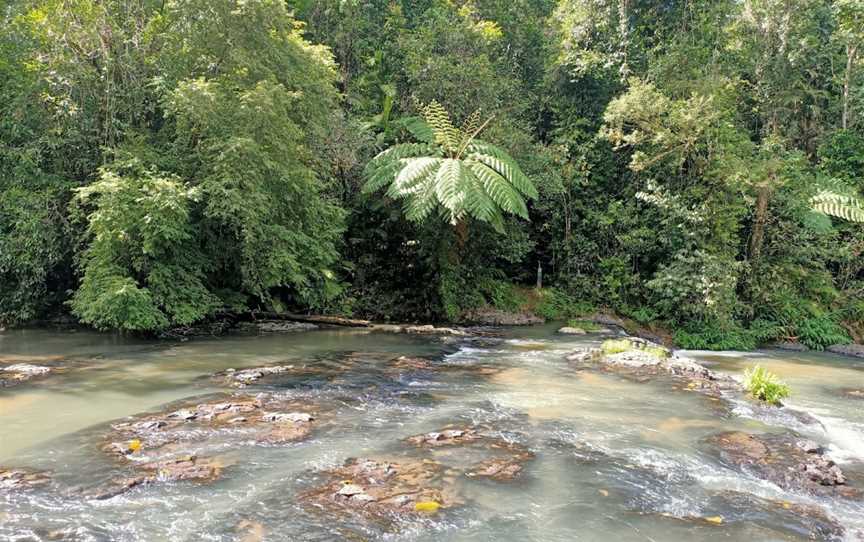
{"points": [[853, 393], [383, 489], [17, 373], [188, 468], [13, 479], [244, 377], [643, 359], [852, 350], [786, 460], [568, 330], [506, 458], [495, 317], [797, 519], [267, 419]]}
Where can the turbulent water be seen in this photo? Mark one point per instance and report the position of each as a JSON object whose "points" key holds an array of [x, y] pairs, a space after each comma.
{"points": [[615, 458]]}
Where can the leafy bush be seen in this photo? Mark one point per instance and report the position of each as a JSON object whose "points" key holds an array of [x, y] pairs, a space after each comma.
{"points": [[765, 386], [554, 304], [616, 346], [819, 332], [586, 325], [711, 336]]}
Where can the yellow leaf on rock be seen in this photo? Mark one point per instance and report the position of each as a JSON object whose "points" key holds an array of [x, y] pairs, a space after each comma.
{"points": [[427, 506], [134, 445], [716, 520]]}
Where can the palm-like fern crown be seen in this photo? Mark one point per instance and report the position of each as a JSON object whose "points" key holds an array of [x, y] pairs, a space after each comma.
{"points": [[449, 169], [837, 199]]}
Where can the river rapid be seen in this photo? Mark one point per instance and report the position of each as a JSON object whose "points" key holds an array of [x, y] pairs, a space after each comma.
{"points": [[600, 456]]}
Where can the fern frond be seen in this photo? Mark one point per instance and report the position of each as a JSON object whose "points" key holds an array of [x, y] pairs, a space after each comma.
{"points": [[383, 168], [414, 171], [448, 187], [421, 204], [446, 134], [501, 162], [499, 189], [419, 128], [838, 205]]}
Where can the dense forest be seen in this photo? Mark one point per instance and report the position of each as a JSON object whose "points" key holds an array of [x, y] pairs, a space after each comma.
{"points": [[690, 164]]}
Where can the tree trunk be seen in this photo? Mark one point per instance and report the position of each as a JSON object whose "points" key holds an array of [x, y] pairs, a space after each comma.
{"points": [[757, 238], [851, 53]]}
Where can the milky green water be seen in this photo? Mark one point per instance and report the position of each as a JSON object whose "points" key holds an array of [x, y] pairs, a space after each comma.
{"points": [[616, 459]]}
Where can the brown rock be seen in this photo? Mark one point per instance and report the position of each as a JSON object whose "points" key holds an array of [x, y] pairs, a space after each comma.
{"points": [[17, 479]]}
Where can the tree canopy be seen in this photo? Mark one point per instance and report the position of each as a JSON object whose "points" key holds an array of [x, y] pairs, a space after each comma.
{"points": [[694, 165]]}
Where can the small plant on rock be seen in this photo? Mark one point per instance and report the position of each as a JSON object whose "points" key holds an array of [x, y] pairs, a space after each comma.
{"points": [[765, 386]]}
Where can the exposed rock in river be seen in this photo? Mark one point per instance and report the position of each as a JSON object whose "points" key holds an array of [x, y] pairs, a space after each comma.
{"points": [[853, 350], [380, 489], [642, 358], [17, 373], [854, 393], [17, 479], [786, 460], [507, 458], [567, 330], [494, 317], [264, 418], [189, 468]]}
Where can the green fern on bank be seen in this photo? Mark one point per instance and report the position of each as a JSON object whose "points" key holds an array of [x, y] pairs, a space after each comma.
{"points": [[449, 169]]}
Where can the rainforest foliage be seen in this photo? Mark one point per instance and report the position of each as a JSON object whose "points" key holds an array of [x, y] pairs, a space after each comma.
{"points": [[694, 164]]}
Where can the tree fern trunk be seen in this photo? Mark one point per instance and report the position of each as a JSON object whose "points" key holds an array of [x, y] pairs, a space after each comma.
{"points": [[757, 238]]}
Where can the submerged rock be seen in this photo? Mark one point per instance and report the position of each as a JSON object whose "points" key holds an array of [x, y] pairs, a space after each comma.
{"points": [[567, 330], [383, 490], [18, 479], [786, 460]]}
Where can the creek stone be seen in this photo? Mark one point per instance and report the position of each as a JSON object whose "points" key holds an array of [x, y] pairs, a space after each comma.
{"points": [[786, 460], [13, 479], [852, 350], [797, 519], [645, 359], [507, 461], [495, 317], [280, 326], [789, 346], [853, 393], [189, 468], [383, 490], [567, 330], [244, 377], [266, 419], [18, 373]]}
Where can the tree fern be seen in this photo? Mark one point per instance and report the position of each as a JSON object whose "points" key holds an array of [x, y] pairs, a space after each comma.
{"points": [[837, 199], [837, 205], [450, 170]]}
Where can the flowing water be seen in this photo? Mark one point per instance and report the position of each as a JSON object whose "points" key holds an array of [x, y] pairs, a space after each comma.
{"points": [[615, 458]]}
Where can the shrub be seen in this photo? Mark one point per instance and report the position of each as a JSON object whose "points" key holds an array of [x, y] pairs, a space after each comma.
{"points": [[819, 332], [586, 325], [555, 304], [765, 386]]}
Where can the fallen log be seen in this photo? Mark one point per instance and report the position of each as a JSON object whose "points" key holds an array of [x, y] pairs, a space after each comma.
{"points": [[310, 318]]}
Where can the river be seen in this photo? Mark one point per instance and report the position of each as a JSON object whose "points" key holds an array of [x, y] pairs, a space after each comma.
{"points": [[614, 458]]}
